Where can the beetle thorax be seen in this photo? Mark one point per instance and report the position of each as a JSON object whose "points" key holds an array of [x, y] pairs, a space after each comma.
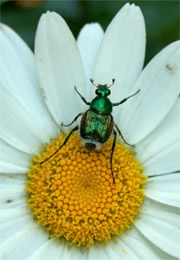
{"points": [[101, 105]]}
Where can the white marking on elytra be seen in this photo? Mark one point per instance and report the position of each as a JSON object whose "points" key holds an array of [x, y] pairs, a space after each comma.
{"points": [[98, 145]]}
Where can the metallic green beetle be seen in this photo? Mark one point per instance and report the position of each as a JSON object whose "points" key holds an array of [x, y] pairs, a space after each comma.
{"points": [[97, 124]]}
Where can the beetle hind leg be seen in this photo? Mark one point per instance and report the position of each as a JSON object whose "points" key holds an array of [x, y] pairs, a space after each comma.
{"points": [[76, 117], [65, 141], [119, 132], [112, 152]]}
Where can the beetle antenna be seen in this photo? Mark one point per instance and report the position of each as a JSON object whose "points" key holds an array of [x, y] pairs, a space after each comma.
{"points": [[113, 80], [92, 81]]}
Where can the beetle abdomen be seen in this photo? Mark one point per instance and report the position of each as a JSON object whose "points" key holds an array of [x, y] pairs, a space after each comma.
{"points": [[96, 127]]}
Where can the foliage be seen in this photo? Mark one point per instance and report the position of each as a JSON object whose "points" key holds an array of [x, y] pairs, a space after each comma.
{"points": [[162, 18]]}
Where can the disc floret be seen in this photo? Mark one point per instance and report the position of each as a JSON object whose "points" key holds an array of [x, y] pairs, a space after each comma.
{"points": [[73, 196]]}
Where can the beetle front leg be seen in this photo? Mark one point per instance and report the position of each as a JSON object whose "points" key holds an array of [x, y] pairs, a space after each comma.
{"points": [[125, 99], [83, 99]]}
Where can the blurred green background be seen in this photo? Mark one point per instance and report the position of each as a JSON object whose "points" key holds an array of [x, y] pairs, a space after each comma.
{"points": [[161, 17]]}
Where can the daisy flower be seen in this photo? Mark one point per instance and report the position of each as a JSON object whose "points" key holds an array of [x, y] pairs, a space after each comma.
{"points": [[67, 206]]}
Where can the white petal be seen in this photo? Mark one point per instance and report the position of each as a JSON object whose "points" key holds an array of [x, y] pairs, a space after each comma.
{"points": [[140, 249], [160, 227], [54, 249], [160, 211], [122, 250], [68, 253], [17, 127], [13, 160], [111, 253], [165, 135], [12, 195], [7, 202], [18, 75], [23, 244], [122, 51], [75, 254], [96, 253], [89, 41], [59, 67], [164, 189], [11, 214], [12, 191], [11, 227], [51, 249], [143, 246], [164, 162], [159, 85]]}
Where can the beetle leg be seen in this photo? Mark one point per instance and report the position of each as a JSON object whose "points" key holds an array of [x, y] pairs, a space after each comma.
{"points": [[65, 141], [112, 152], [119, 132], [80, 114], [83, 99], [164, 173], [125, 99]]}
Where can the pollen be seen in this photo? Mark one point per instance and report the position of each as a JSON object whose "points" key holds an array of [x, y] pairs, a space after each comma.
{"points": [[72, 195]]}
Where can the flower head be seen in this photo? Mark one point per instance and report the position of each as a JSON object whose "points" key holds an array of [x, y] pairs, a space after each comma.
{"points": [[70, 191]]}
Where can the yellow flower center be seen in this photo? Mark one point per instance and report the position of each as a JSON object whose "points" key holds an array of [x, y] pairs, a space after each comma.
{"points": [[72, 195]]}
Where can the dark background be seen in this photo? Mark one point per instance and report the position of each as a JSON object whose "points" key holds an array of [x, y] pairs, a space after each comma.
{"points": [[161, 17]]}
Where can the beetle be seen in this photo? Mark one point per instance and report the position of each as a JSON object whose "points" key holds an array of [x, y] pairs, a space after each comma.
{"points": [[97, 123]]}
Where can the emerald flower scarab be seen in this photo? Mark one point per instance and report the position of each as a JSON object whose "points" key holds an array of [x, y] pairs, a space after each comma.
{"points": [[97, 123]]}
